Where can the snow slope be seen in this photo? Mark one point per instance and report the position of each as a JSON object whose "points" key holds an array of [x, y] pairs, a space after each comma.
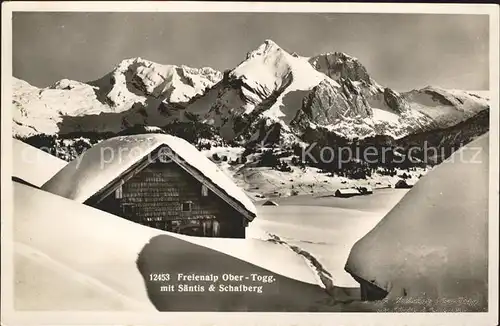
{"points": [[33, 165], [383, 115], [69, 256], [107, 160], [446, 107], [324, 226], [268, 182], [440, 249], [38, 110]]}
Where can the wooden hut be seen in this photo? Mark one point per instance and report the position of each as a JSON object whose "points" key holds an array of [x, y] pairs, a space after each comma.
{"points": [[167, 184], [404, 184], [270, 203]]}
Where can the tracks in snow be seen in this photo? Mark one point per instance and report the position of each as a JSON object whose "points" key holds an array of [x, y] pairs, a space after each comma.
{"points": [[338, 294]]}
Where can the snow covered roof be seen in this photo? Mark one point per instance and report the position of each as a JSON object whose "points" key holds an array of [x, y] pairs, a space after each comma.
{"points": [[108, 160], [434, 242], [348, 191]]}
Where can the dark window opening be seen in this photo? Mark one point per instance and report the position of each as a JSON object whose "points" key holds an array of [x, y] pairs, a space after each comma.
{"points": [[186, 206], [128, 208], [163, 156]]}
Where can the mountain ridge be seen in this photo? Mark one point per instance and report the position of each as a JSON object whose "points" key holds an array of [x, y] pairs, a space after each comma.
{"points": [[270, 89]]}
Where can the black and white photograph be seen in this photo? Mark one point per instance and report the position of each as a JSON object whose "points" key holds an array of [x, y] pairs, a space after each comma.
{"points": [[334, 160]]}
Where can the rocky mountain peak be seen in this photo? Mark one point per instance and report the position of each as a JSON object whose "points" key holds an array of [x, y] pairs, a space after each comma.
{"points": [[338, 65], [266, 48]]}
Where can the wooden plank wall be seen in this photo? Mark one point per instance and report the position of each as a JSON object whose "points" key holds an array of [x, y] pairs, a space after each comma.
{"points": [[155, 195]]}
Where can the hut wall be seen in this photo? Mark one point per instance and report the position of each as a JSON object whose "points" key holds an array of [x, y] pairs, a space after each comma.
{"points": [[156, 195]]}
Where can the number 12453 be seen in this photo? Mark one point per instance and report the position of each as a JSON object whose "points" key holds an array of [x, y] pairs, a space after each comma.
{"points": [[159, 277]]}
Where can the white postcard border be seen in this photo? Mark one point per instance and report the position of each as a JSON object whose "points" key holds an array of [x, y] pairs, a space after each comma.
{"points": [[11, 317]]}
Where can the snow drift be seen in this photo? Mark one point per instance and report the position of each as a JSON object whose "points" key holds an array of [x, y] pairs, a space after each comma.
{"points": [[434, 243], [69, 256], [32, 165], [325, 227]]}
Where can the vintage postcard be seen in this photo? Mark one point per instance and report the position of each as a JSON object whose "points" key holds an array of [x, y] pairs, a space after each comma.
{"points": [[239, 163]]}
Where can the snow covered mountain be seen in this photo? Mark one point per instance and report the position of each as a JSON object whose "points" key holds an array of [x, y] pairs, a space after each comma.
{"points": [[273, 92], [271, 95], [38, 110], [269, 85], [379, 110], [137, 91], [446, 107], [139, 81]]}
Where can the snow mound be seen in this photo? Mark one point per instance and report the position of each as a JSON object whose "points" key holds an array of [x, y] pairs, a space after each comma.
{"points": [[33, 165], [75, 265], [440, 249], [103, 163], [43, 283]]}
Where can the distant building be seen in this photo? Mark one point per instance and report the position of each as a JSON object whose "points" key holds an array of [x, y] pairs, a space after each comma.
{"points": [[402, 183], [168, 185], [270, 203], [347, 192]]}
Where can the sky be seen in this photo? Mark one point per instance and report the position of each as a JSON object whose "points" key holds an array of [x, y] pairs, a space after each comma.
{"points": [[401, 51]]}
